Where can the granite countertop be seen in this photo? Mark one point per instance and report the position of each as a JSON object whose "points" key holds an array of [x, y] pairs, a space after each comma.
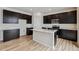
{"points": [[44, 30]]}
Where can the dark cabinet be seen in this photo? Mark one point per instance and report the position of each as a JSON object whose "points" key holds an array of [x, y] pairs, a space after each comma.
{"points": [[64, 18], [10, 17], [68, 34], [46, 20], [26, 17], [54, 16], [11, 34], [29, 20], [68, 18], [13, 17], [22, 16], [29, 31]]}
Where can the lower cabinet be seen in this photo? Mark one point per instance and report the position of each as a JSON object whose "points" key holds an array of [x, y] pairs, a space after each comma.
{"points": [[29, 31], [11, 34], [68, 34]]}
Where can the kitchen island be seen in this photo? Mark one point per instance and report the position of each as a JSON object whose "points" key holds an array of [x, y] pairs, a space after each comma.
{"points": [[45, 37]]}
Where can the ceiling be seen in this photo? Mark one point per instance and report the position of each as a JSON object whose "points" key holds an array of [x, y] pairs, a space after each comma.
{"points": [[42, 9]]}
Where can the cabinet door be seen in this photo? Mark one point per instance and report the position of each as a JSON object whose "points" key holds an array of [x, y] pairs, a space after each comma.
{"points": [[26, 17], [10, 17], [29, 19], [71, 17], [54, 16], [46, 20], [68, 34], [29, 32], [68, 17], [62, 18], [10, 34], [22, 16]]}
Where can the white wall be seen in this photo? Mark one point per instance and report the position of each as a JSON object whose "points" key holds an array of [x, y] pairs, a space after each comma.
{"points": [[1, 20], [1, 35], [78, 25], [37, 20]]}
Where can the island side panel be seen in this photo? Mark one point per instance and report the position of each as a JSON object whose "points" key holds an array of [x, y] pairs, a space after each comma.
{"points": [[44, 38]]}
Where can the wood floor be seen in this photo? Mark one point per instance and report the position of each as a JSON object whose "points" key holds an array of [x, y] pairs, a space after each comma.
{"points": [[26, 43]]}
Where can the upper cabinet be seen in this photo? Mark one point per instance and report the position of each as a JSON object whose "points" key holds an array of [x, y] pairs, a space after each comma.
{"points": [[12, 17], [46, 20], [64, 18], [68, 18], [27, 17]]}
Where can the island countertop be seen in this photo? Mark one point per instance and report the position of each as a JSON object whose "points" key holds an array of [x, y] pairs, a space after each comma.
{"points": [[44, 30]]}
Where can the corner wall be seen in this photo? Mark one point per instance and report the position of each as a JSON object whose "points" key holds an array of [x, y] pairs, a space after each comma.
{"points": [[78, 26]]}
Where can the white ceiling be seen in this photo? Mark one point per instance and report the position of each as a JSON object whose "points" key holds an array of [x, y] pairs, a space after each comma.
{"points": [[42, 9]]}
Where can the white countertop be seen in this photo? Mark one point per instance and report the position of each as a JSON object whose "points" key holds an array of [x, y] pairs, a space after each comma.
{"points": [[44, 30]]}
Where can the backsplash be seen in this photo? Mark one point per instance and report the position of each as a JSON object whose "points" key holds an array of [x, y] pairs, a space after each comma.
{"points": [[62, 26]]}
